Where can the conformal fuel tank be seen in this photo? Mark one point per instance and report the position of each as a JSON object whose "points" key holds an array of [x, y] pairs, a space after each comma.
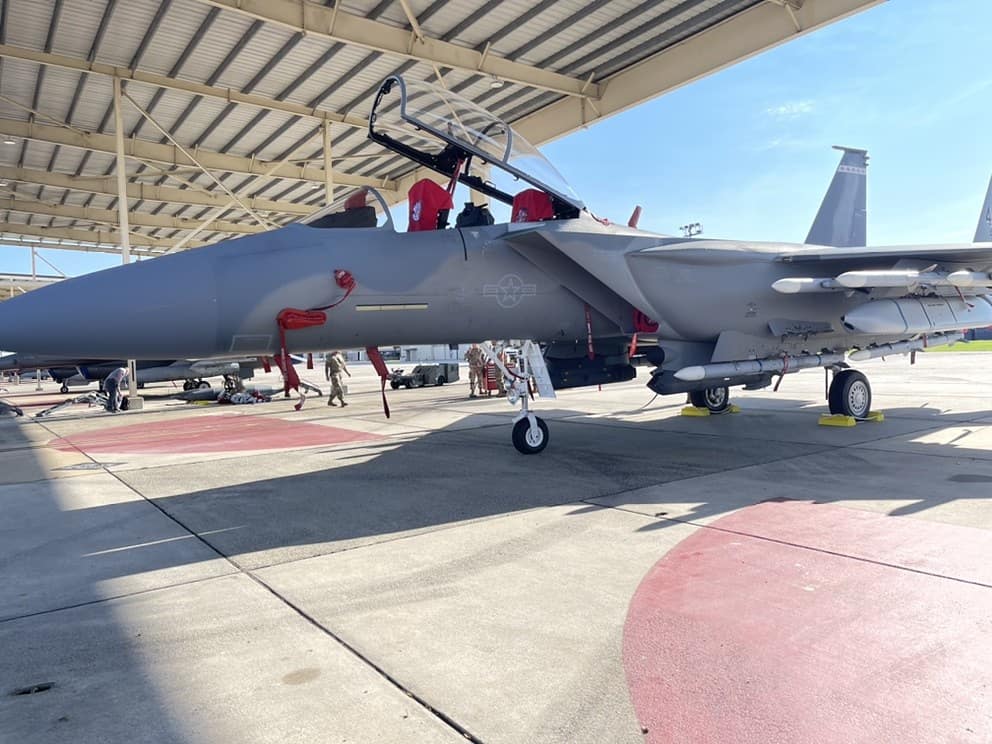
{"points": [[925, 315]]}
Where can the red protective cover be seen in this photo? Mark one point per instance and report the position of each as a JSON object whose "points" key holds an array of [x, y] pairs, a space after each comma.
{"points": [[426, 200], [532, 206]]}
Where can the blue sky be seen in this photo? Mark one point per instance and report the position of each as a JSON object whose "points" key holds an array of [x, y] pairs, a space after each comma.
{"points": [[747, 152]]}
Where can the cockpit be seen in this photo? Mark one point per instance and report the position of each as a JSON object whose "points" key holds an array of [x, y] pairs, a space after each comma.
{"points": [[465, 144]]}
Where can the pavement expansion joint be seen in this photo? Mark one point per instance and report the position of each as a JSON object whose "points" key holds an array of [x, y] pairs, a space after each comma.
{"points": [[439, 714]]}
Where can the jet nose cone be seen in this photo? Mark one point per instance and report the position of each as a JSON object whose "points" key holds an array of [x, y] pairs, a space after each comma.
{"points": [[166, 306]]}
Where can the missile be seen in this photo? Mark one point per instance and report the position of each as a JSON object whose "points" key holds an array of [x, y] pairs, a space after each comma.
{"points": [[889, 278], [748, 367], [969, 279], [904, 347], [912, 316], [806, 285]]}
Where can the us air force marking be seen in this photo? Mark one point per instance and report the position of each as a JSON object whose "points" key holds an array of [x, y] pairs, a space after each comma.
{"points": [[509, 291]]}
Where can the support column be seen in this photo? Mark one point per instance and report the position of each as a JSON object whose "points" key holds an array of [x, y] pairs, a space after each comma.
{"points": [[328, 173], [34, 280], [134, 402]]}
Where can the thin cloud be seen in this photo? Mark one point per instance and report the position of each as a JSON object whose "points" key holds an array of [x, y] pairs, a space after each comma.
{"points": [[790, 109]]}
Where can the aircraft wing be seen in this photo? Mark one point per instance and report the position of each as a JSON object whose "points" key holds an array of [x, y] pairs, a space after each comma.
{"points": [[978, 255], [949, 269]]}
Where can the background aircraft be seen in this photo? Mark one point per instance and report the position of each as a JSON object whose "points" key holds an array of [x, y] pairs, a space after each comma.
{"points": [[83, 372], [709, 314]]}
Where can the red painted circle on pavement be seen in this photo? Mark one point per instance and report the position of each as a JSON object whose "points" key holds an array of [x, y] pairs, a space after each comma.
{"points": [[797, 622], [223, 433]]}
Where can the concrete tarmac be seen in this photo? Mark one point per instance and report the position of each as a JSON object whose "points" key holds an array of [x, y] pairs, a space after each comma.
{"points": [[205, 573]]}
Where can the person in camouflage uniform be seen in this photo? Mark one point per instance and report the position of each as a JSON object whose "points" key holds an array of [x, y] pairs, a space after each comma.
{"points": [[476, 369], [334, 365]]}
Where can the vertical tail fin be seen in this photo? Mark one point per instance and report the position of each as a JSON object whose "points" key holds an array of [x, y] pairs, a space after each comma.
{"points": [[983, 233], [841, 221]]}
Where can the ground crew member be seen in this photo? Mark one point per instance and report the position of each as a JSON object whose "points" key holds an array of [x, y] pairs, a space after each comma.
{"points": [[334, 365], [112, 386], [476, 369]]}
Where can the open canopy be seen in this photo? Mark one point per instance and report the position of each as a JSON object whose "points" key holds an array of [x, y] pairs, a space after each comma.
{"points": [[445, 132]]}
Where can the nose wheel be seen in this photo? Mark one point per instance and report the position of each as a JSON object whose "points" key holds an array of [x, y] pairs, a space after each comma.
{"points": [[530, 435]]}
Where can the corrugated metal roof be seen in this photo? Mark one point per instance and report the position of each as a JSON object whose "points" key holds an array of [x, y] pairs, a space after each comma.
{"points": [[195, 41]]}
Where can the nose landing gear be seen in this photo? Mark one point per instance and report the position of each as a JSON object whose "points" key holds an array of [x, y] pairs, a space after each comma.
{"points": [[530, 434]]}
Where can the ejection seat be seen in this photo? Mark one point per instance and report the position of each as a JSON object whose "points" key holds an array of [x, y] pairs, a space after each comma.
{"points": [[532, 205], [356, 214], [429, 206]]}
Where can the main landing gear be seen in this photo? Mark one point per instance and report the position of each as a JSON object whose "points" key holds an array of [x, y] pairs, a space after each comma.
{"points": [[714, 399], [195, 384], [849, 394], [530, 433]]}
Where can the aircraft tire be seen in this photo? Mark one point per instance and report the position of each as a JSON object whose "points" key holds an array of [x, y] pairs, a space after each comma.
{"points": [[187, 385], [203, 385], [716, 399], [527, 442], [64, 389], [850, 394]]}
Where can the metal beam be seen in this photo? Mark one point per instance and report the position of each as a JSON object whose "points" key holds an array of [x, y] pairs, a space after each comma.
{"points": [[120, 168], [26, 242], [106, 186], [171, 83], [336, 24], [169, 155], [751, 32], [100, 237], [165, 132], [111, 217], [328, 172]]}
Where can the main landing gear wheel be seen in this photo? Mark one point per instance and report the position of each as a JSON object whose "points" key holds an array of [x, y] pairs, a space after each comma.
{"points": [[850, 394], [716, 399], [187, 385], [527, 440], [203, 384], [64, 389]]}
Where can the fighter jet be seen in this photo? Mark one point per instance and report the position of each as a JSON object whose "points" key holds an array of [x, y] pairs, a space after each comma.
{"points": [[707, 314]]}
